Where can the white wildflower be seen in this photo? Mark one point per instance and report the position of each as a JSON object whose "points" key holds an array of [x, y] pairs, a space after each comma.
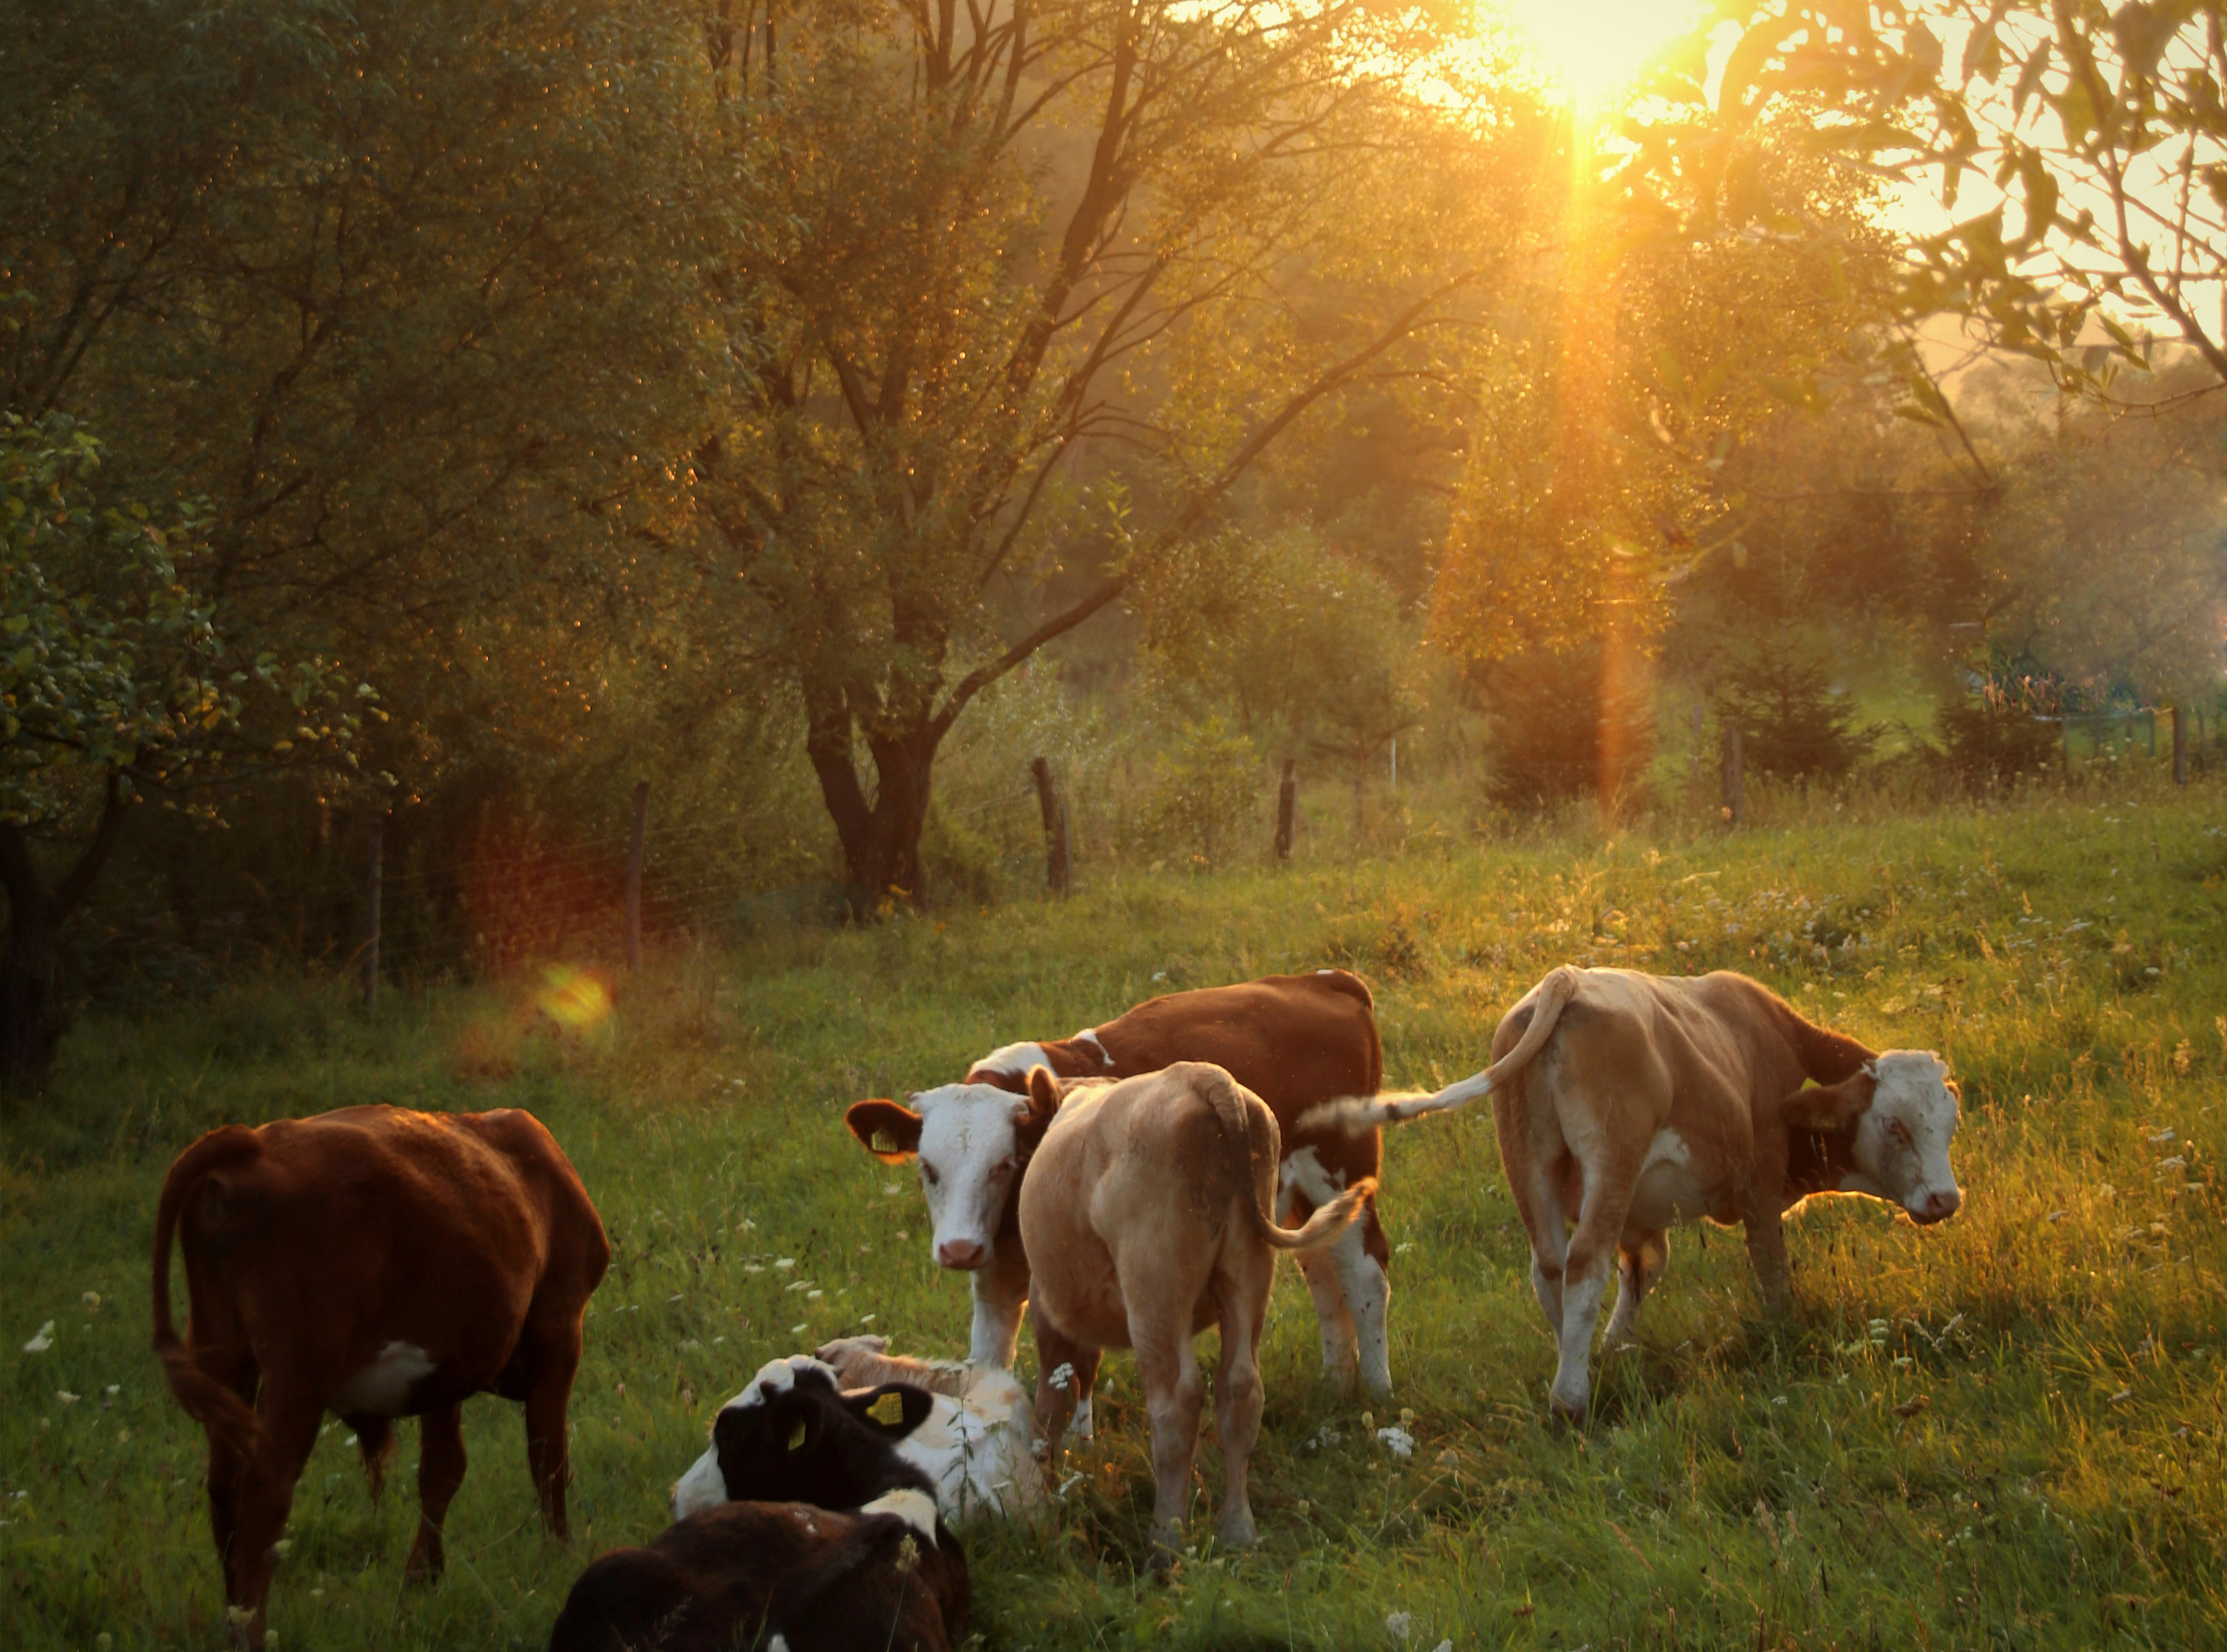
{"points": [[1401, 1624], [1062, 1375], [1398, 1442], [42, 1341], [799, 1330], [65, 1396], [785, 1261]]}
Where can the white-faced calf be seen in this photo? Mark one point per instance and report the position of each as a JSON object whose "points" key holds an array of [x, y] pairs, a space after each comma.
{"points": [[829, 1543]]}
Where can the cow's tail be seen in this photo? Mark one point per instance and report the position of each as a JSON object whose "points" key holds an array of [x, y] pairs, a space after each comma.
{"points": [[208, 1401], [1357, 1115]]}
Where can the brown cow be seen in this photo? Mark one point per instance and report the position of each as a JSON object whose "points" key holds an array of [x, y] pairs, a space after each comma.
{"points": [[377, 1263], [1628, 1102], [1296, 1041], [1148, 1214]]}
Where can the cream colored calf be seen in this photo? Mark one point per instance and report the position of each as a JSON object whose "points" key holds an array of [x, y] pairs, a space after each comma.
{"points": [[1145, 1216]]}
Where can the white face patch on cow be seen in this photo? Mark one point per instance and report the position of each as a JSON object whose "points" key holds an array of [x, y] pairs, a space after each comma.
{"points": [[916, 1508], [1305, 1174], [969, 1154], [1902, 1141], [382, 1389], [703, 1486]]}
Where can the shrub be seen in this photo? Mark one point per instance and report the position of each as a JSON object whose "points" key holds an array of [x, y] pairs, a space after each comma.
{"points": [[1549, 713], [1792, 726], [1205, 796]]}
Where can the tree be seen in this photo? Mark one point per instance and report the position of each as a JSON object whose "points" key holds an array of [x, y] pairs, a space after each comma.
{"points": [[392, 289], [979, 264], [1614, 457], [114, 681], [2094, 138]]}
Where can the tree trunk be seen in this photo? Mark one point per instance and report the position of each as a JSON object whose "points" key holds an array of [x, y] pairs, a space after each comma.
{"points": [[880, 838], [30, 1021]]}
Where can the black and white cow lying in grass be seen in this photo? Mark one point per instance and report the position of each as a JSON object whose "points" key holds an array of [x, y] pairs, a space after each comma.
{"points": [[976, 1444], [831, 1542]]}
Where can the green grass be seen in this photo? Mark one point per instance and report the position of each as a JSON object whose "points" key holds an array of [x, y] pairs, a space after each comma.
{"points": [[2003, 1431]]}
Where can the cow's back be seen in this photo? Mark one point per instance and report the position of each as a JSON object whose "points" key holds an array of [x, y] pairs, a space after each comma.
{"points": [[350, 1229], [1697, 1053], [1293, 1040]]}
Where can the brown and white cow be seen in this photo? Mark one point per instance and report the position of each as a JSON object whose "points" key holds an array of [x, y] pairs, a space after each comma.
{"points": [[377, 1263], [1627, 1102], [1147, 1213], [1296, 1041]]}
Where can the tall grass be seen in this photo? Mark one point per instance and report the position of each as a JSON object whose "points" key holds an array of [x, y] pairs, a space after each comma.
{"points": [[2002, 1431]]}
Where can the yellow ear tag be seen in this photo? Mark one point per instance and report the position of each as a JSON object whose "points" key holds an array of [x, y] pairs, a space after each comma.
{"points": [[796, 1436], [883, 1143], [888, 1411]]}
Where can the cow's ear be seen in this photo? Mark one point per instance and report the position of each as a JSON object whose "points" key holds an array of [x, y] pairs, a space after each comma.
{"points": [[895, 1409], [1043, 1104], [889, 1131], [1829, 1108]]}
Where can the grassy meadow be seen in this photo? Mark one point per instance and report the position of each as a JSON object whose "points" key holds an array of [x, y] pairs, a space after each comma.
{"points": [[2005, 1431]]}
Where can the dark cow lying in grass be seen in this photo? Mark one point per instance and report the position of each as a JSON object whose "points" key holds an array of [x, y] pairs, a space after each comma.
{"points": [[835, 1542], [377, 1263]]}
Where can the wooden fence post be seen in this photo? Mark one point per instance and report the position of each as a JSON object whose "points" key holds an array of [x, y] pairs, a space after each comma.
{"points": [[1286, 807], [634, 876], [2149, 727], [1055, 826], [1733, 798], [374, 870], [1396, 762], [2180, 746]]}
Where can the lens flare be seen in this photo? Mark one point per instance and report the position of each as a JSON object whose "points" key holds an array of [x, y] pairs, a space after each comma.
{"points": [[575, 999]]}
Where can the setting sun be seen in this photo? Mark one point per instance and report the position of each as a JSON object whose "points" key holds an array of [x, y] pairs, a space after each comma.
{"points": [[1592, 48]]}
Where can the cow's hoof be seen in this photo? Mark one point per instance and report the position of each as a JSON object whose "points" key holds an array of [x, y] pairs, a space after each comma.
{"points": [[1567, 1410], [1237, 1530]]}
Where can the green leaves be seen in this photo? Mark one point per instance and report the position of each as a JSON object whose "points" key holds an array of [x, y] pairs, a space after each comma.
{"points": [[113, 663]]}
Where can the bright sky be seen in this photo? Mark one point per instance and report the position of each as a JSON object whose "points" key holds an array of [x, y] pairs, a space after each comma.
{"points": [[1592, 48]]}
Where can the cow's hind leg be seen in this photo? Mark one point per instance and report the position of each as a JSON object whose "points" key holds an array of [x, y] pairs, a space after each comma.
{"points": [[1175, 1393], [226, 1465], [266, 1494], [1085, 1425], [1059, 1359], [1238, 1396], [1592, 1252], [1340, 1358], [548, 1367], [440, 1471], [375, 1438], [1638, 1265]]}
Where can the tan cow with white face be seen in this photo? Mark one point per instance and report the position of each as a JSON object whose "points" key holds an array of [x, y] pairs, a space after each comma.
{"points": [[1626, 1103]]}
